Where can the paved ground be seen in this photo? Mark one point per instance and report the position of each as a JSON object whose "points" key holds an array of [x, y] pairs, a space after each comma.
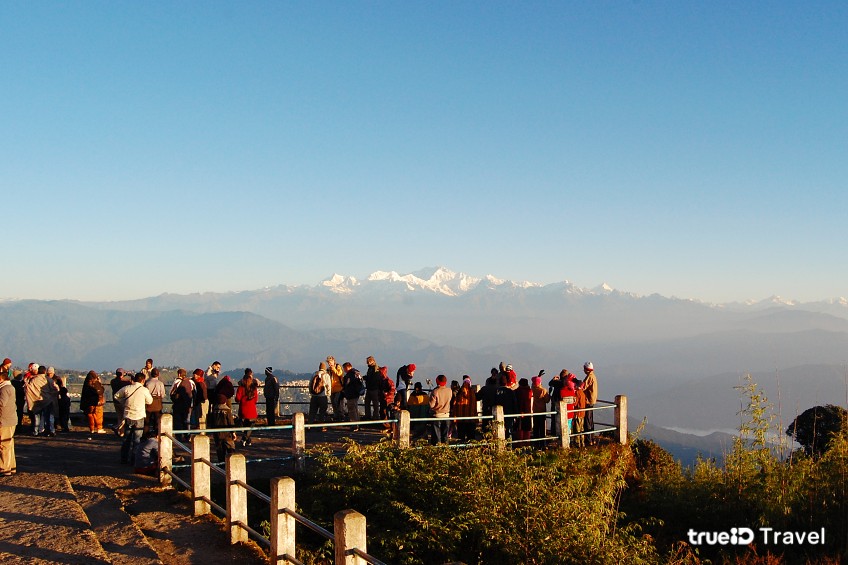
{"points": [[73, 502]]}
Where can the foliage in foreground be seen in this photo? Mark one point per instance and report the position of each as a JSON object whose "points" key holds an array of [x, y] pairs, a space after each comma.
{"points": [[755, 488], [438, 504]]}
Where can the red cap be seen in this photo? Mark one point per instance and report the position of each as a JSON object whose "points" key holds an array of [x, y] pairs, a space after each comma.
{"points": [[411, 367], [198, 372]]}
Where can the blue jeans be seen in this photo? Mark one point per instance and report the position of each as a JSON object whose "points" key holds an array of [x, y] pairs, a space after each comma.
{"points": [[133, 432]]}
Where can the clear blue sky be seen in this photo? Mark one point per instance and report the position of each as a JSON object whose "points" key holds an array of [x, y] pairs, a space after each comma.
{"points": [[698, 150]]}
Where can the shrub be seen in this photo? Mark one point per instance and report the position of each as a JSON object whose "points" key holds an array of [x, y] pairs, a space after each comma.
{"points": [[481, 505]]}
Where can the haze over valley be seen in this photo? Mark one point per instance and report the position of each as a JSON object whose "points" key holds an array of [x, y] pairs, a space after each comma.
{"points": [[678, 360]]}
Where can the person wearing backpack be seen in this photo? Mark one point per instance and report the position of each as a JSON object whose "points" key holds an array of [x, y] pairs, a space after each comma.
{"points": [[319, 387], [351, 387], [182, 400]]}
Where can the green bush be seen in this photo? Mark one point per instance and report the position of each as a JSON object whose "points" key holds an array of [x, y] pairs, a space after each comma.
{"points": [[481, 505]]}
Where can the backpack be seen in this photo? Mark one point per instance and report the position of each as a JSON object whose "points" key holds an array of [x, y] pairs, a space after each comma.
{"points": [[316, 385]]}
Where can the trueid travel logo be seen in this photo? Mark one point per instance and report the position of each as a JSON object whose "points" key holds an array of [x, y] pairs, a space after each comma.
{"points": [[744, 536]]}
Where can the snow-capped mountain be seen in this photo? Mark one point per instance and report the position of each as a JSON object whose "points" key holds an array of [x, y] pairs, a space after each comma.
{"points": [[436, 280]]}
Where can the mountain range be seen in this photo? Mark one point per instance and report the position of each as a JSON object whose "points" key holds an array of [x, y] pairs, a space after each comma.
{"points": [[677, 359]]}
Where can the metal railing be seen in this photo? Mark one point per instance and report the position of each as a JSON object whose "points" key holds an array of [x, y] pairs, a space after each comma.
{"points": [[349, 526], [348, 537]]}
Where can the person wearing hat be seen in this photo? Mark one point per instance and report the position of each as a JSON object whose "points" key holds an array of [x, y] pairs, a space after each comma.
{"points": [[440, 404], [402, 381], [271, 391], [8, 421], [590, 389]]}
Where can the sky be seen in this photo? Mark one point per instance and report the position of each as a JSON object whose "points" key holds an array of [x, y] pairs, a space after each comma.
{"points": [[690, 149]]}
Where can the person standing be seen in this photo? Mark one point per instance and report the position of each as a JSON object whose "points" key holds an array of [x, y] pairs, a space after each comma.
{"points": [[319, 384], [134, 398], [352, 384], [63, 420], [372, 389], [540, 404], [8, 422], [403, 382], [221, 416], [201, 400], [246, 397], [487, 397], [271, 391], [464, 406], [554, 387], [121, 380], [440, 404], [213, 373], [91, 402], [590, 389], [336, 373], [182, 398], [148, 368], [387, 394], [154, 410]]}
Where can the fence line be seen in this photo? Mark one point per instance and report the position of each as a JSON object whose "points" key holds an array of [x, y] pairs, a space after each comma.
{"points": [[349, 526]]}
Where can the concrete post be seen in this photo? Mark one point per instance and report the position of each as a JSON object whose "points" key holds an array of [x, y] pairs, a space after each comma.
{"points": [[349, 531], [498, 427], [201, 482], [282, 525], [298, 441], [166, 448], [236, 498], [564, 428], [402, 429], [621, 419]]}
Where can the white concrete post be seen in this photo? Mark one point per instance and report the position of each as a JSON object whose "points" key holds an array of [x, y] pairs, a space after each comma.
{"points": [[498, 427], [621, 419], [236, 498], [298, 441], [282, 525], [166, 448], [349, 531], [402, 429], [201, 482], [564, 428]]}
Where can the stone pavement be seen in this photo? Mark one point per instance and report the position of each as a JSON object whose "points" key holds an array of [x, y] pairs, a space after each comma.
{"points": [[73, 502]]}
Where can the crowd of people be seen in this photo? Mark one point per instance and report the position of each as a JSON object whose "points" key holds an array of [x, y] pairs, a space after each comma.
{"points": [[205, 398], [456, 408]]}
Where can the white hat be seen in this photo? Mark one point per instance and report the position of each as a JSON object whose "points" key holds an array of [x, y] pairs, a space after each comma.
{"points": [[588, 366]]}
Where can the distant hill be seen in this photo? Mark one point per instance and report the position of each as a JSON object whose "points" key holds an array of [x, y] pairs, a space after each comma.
{"points": [[676, 359]]}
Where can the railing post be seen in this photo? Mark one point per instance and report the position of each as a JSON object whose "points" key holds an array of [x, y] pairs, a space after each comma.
{"points": [[349, 530], [564, 428], [402, 429], [298, 440], [282, 525], [498, 427], [236, 498], [621, 418], [166, 448], [201, 483]]}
